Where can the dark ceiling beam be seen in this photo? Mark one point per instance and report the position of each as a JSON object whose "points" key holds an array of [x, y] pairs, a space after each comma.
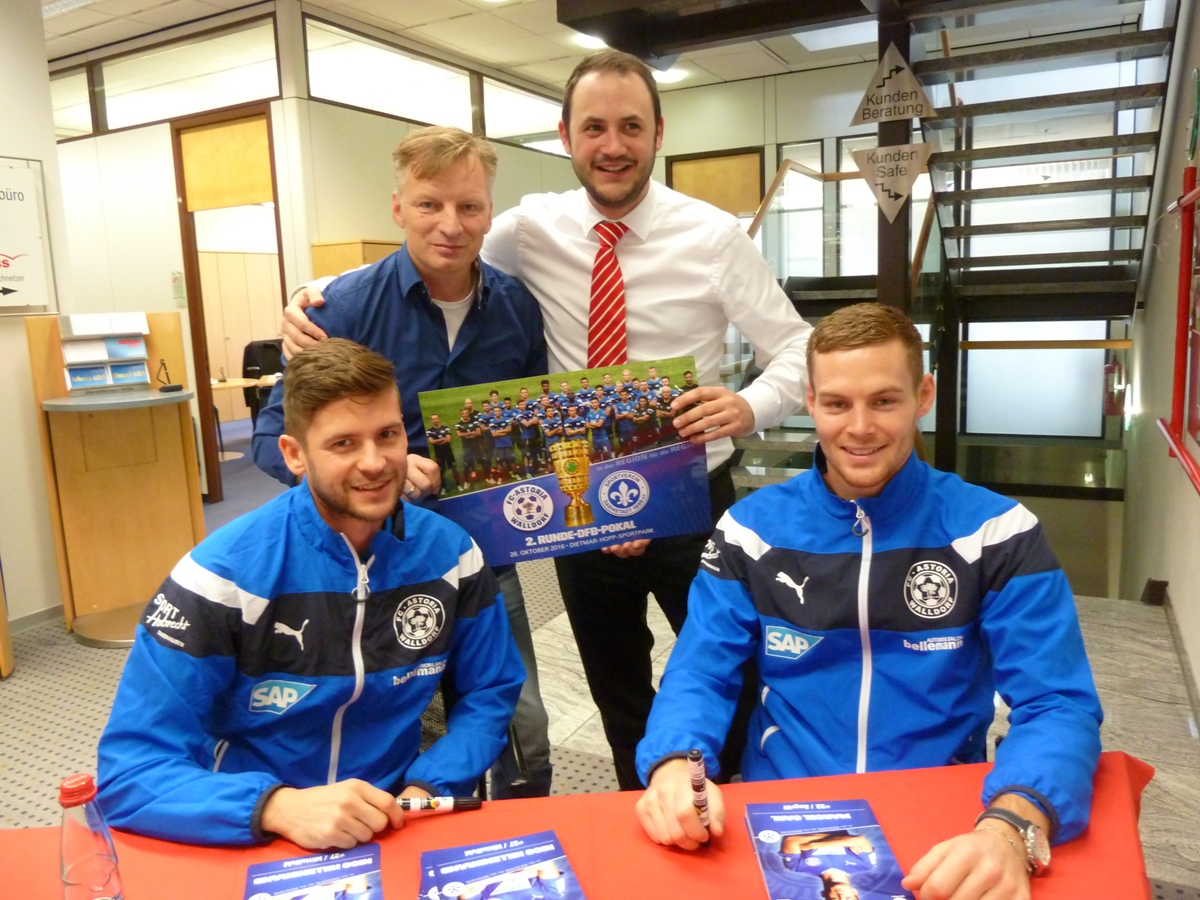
{"points": [[624, 24]]}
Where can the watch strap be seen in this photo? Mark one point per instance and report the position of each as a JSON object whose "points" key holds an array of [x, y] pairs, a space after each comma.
{"points": [[1005, 815], [1029, 836]]}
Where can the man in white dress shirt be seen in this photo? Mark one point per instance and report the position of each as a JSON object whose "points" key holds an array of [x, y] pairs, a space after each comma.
{"points": [[689, 271]]}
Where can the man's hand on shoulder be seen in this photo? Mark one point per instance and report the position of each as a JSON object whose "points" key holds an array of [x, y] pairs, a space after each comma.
{"points": [[298, 332], [666, 811], [979, 865], [333, 815], [711, 413]]}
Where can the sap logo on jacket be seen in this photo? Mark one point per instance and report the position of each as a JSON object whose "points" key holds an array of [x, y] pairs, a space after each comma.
{"points": [[277, 696], [787, 643]]}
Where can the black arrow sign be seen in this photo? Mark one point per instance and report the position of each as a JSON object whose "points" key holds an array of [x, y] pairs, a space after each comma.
{"points": [[5, 291]]}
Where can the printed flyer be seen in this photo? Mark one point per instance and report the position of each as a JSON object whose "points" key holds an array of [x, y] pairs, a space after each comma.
{"points": [[341, 875], [818, 850], [530, 867], [570, 462]]}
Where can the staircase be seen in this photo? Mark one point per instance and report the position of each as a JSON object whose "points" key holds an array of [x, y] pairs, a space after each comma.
{"points": [[1045, 145]]}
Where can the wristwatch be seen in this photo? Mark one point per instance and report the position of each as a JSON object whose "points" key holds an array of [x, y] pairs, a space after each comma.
{"points": [[1037, 847]]}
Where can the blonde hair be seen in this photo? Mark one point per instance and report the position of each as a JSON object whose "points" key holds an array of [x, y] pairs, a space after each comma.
{"points": [[428, 152], [865, 325], [329, 371]]}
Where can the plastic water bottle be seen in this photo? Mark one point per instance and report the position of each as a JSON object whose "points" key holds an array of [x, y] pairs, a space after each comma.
{"points": [[89, 862]]}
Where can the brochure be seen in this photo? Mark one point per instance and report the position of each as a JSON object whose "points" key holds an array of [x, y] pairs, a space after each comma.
{"points": [[530, 867], [815, 850], [573, 461], [341, 875]]}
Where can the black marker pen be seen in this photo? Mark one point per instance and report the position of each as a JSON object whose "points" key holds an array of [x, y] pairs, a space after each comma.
{"points": [[440, 804]]}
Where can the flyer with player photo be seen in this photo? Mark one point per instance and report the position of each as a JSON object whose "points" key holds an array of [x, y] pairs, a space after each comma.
{"points": [[573, 461], [341, 875], [818, 850], [530, 867]]}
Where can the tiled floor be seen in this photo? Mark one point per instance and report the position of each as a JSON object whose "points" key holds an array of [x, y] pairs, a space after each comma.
{"points": [[55, 704]]}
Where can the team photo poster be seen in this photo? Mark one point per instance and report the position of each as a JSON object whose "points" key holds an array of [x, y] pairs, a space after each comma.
{"points": [[572, 461]]}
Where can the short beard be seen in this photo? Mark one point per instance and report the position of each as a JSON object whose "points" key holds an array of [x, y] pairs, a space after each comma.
{"points": [[629, 197]]}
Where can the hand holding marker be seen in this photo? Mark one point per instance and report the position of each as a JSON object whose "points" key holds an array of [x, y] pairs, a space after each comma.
{"points": [[439, 804], [699, 786]]}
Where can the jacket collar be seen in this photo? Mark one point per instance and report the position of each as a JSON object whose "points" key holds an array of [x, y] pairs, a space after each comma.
{"points": [[896, 497], [318, 534]]}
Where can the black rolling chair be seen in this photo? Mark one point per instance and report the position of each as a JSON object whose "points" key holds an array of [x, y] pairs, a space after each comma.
{"points": [[433, 726], [260, 358]]}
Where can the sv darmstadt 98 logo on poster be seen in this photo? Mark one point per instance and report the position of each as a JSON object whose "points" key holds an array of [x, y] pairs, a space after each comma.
{"points": [[568, 462]]}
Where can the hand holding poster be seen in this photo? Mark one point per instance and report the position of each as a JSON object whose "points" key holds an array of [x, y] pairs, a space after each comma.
{"points": [[530, 471]]}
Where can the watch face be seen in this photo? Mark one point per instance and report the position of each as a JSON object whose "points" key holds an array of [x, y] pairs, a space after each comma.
{"points": [[1038, 848]]}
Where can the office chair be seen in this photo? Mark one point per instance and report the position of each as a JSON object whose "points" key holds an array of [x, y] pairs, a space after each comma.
{"points": [[260, 358]]}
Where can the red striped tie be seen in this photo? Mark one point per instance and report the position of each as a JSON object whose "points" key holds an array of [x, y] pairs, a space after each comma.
{"points": [[606, 315]]}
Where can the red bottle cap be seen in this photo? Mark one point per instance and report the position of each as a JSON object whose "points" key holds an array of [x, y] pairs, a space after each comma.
{"points": [[76, 790]]}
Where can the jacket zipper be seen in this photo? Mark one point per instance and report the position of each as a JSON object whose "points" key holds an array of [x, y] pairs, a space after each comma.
{"points": [[862, 528], [361, 591]]}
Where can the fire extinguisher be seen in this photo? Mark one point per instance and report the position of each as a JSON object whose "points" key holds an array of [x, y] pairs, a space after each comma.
{"points": [[1114, 388]]}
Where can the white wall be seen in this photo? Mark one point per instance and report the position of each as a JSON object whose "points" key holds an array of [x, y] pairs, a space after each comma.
{"points": [[26, 541], [336, 163], [119, 196], [780, 109], [1162, 509]]}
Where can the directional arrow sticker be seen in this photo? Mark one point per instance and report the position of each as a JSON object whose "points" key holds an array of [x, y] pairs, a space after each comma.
{"points": [[891, 171]]}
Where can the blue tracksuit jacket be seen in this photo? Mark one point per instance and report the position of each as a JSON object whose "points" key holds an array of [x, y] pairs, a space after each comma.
{"points": [[272, 656], [882, 629]]}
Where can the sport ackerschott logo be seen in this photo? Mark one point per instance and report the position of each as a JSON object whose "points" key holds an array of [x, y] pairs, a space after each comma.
{"points": [[418, 620], [710, 555], [527, 507], [624, 493], [277, 696], [930, 589], [788, 644]]}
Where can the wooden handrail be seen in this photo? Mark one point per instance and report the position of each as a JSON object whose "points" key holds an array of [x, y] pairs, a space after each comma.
{"points": [[1118, 344], [789, 165], [922, 243]]}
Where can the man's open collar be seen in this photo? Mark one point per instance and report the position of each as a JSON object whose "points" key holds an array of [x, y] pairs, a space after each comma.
{"points": [[410, 278], [637, 219]]}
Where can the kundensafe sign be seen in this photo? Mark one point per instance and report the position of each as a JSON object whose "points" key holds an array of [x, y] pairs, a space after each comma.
{"points": [[576, 461]]}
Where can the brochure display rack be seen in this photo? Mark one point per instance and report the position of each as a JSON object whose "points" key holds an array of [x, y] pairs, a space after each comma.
{"points": [[121, 472]]}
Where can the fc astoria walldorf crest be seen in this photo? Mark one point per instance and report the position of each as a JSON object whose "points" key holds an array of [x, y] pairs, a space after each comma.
{"points": [[418, 620], [930, 589]]}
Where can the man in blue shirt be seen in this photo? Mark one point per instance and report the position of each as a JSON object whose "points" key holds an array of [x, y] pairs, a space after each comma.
{"points": [[597, 423], [574, 425], [469, 433], [623, 412], [443, 452], [445, 319], [552, 428], [530, 434], [503, 459]]}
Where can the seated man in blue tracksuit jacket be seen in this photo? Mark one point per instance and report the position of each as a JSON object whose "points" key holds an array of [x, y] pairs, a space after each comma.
{"points": [[885, 603], [277, 679]]}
